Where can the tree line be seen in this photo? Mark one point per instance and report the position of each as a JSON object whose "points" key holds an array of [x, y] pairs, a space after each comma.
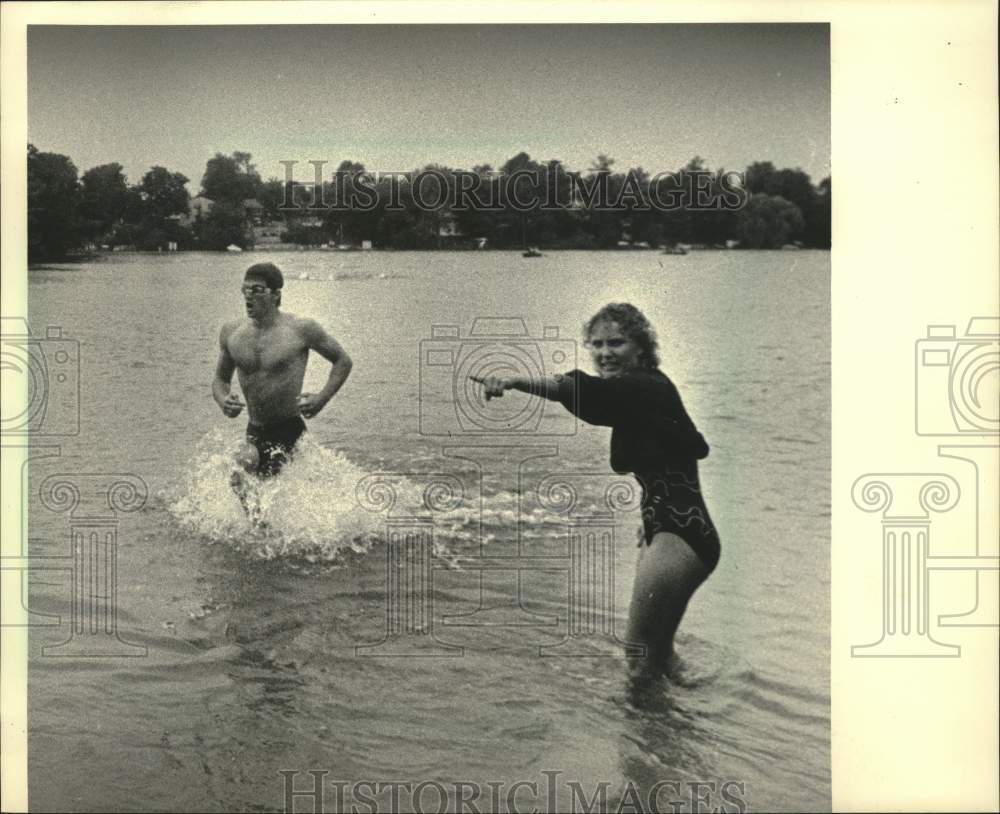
{"points": [[68, 212]]}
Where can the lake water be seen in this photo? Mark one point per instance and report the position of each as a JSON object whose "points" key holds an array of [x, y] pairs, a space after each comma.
{"points": [[419, 607]]}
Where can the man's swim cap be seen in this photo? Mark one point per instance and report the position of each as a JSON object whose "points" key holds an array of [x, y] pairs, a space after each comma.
{"points": [[268, 273]]}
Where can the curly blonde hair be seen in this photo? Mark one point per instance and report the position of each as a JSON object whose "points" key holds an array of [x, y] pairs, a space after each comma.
{"points": [[633, 324]]}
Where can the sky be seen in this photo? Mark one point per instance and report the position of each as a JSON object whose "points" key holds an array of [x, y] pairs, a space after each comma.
{"points": [[396, 98]]}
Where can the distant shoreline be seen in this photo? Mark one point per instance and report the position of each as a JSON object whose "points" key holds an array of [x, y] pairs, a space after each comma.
{"points": [[294, 248]]}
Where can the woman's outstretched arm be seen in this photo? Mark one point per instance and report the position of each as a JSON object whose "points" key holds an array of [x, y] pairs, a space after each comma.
{"points": [[619, 401], [545, 386]]}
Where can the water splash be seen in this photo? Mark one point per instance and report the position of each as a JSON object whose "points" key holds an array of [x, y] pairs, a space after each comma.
{"points": [[309, 512]]}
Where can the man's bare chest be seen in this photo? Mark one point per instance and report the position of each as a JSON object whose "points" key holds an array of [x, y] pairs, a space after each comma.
{"points": [[266, 351]]}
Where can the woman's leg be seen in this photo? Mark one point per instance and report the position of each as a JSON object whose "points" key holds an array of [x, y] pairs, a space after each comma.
{"points": [[667, 575]]}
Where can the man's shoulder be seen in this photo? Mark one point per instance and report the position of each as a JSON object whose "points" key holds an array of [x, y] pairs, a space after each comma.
{"points": [[297, 323], [304, 326], [231, 327]]}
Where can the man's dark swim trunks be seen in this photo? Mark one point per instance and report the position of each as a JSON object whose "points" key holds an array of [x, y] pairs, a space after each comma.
{"points": [[652, 437], [275, 443]]}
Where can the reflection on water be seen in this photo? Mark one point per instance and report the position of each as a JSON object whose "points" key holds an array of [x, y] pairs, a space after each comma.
{"points": [[266, 647]]}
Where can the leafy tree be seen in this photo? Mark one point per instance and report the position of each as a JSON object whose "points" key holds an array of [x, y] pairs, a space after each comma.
{"points": [[796, 186], [792, 185], [715, 224], [103, 199], [349, 217], [768, 222], [243, 162], [126, 234], [641, 221], [602, 164], [163, 194], [224, 225], [605, 227], [688, 223], [817, 232], [513, 227], [230, 179], [557, 227], [675, 221], [53, 200], [476, 221], [135, 207], [350, 167], [760, 178], [271, 196], [783, 205]]}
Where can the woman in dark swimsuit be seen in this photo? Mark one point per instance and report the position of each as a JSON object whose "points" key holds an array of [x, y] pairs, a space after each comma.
{"points": [[652, 437]]}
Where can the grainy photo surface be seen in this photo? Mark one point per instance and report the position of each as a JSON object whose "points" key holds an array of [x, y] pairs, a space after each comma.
{"points": [[335, 504]]}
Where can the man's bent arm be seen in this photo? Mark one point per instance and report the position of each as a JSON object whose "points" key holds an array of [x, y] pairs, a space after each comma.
{"points": [[223, 369], [330, 349]]}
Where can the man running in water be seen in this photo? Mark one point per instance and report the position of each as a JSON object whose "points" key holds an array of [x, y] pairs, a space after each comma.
{"points": [[269, 351]]}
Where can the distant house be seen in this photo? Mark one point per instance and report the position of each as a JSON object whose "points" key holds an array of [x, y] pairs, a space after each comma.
{"points": [[199, 207]]}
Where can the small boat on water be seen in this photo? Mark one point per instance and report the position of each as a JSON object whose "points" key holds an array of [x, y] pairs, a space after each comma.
{"points": [[675, 250], [232, 247], [531, 251]]}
